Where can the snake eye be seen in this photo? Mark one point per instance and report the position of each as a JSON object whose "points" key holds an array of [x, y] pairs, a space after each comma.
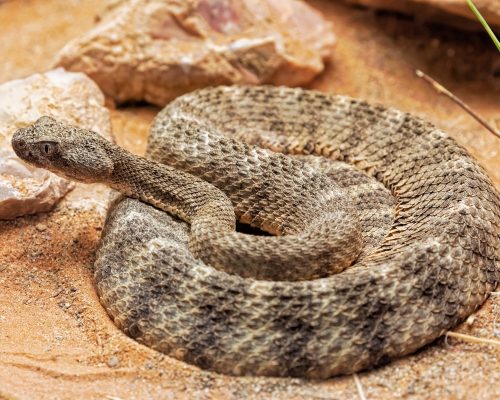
{"points": [[48, 148]]}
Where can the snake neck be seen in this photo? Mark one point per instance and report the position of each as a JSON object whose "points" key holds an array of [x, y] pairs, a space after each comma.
{"points": [[168, 189]]}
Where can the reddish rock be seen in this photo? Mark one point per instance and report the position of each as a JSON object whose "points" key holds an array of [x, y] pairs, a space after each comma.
{"points": [[454, 12], [67, 96], [156, 50]]}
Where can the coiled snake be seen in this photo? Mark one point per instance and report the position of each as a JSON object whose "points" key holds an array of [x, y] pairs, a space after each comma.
{"points": [[365, 185]]}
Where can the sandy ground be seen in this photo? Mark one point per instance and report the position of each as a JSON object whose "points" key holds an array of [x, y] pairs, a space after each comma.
{"points": [[56, 341]]}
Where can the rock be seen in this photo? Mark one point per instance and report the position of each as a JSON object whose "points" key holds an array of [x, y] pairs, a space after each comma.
{"points": [[41, 227], [453, 12], [71, 97], [156, 50], [113, 362]]}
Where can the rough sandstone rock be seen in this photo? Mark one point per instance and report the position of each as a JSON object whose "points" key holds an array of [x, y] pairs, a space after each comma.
{"points": [[454, 12], [156, 50], [72, 97]]}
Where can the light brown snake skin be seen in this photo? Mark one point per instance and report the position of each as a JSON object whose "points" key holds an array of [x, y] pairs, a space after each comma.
{"points": [[425, 213]]}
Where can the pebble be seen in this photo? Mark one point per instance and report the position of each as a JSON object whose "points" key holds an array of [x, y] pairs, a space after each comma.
{"points": [[41, 227], [113, 362]]}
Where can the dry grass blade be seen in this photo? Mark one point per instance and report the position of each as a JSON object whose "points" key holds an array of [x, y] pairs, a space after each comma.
{"points": [[472, 339], [442, 90], [361, 392]]}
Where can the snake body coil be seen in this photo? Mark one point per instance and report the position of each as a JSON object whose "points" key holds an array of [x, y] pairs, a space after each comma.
{"points": [[426, 215]]}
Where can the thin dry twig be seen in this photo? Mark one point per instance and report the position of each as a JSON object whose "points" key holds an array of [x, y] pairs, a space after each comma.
{"points": [[361, 392], [496, 313], [442, 90], [98, 337], [472, 339]]}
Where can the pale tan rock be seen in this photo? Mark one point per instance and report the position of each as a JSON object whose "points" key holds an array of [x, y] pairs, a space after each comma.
{"points": [[71, 97], [454, 12], [156, 50]]}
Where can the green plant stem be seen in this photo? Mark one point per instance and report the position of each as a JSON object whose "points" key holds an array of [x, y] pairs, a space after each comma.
{"points": [[484, 23]]}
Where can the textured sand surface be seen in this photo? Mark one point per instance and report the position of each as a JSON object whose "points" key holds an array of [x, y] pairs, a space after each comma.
{"points": [[56, 341]]}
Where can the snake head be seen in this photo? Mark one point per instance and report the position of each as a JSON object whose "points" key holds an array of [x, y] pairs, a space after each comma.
{"points": [[66, 150]]}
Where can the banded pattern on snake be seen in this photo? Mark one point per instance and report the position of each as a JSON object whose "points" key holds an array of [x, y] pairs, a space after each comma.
{"points": [[426, 215]]}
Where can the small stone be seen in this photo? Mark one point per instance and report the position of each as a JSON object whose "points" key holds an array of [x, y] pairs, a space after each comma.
{"points": [[470, 320], [113, 362], [34, 254], [41, 227]]}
